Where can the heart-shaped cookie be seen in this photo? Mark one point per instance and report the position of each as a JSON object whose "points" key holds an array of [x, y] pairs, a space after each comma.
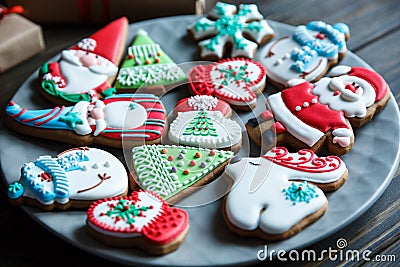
{"points": [[238, 81]]}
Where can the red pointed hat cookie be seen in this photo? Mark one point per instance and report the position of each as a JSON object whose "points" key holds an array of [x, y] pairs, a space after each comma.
{"points": [[106, 42]]}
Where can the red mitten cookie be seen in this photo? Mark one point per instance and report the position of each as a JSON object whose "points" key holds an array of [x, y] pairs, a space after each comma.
{"points": [[275, 196], [142, 220], [237, 81], [309, 115]]}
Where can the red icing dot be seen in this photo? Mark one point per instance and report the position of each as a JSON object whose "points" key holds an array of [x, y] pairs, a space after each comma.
{"points": [[212, 153], [192, 163], [131, 56], [157, 60], [170, 158], [266, 115]]}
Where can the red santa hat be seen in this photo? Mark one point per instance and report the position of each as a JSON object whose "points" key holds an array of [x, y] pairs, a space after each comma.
{"points": [[373, 78], [106, 42]]}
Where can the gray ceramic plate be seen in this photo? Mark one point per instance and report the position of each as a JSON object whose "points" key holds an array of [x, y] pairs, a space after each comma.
{"points": [[371, 163]]}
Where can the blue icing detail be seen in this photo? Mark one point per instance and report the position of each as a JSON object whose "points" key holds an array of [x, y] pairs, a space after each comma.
{"points": [[300, 192], [15, 190], [43, 192], [321, 48], [37, 118], [71, 161]]}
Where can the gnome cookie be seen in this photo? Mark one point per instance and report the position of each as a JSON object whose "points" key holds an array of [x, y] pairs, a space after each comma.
{"points": [[205, 126], [148, 68], [86, 71], [281, 192], [137, 119], [308, 115], [73, 179], [307, 54], [142, 220], [173, 172], [237, 81], [243, 30]]}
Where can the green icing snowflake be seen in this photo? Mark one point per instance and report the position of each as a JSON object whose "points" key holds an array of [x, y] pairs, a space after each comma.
{"points": [[300, 192], [236, 74], [126, 211]]}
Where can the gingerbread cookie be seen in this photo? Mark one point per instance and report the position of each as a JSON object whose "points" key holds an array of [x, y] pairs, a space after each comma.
{"points": [[309, 115], [308, 53], [205, 126], [141, 220], [203, 102], [281, 192], [135, 118], [237, 81], [148, 67], [243, 30], [172, 172], [86, 71], [73, 179]]}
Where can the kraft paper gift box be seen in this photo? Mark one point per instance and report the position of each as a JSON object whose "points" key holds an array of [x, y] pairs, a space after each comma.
{"points": [[20, 39]]}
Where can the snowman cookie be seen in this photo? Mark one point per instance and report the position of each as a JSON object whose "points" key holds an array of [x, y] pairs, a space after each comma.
{"points": [[203, 125], [73, 179], [141, 220], [243, 30], [148, 68], [280, 192], [133, 118], [307, 54], [172, 171], [314, 115], [86, 71], [237, 81]]}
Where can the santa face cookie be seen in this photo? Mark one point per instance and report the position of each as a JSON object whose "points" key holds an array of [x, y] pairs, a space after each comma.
{"points": [[205, 128], [307, 54], [242, 29], [311, 115], [86, 71], [73, 179], [281, 192], [135, 118], [237, 81], [172, 171], [148, 68], [141, 220]]}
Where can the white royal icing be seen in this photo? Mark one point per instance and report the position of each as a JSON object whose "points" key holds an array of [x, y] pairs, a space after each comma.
{"points": [[244, 203]]}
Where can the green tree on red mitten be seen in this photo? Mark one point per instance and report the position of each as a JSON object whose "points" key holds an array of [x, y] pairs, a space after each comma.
{"points": [[201, 125]]}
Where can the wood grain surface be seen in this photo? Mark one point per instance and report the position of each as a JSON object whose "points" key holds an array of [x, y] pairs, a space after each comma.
{"points": [[375, 37]]}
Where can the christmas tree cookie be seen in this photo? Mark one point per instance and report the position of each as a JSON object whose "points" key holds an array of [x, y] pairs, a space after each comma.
{"points": [[86, 71], [280, 192], [73, 179], [141, 220], [148, 67], [207, 126], [242, 29], [173, 171], [134, 118]]}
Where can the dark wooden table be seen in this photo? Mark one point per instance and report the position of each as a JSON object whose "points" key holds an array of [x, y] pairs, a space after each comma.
{"points": [[375, 37]]}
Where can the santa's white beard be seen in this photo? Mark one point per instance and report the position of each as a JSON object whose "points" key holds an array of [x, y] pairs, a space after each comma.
{"points": [[80, 79]]}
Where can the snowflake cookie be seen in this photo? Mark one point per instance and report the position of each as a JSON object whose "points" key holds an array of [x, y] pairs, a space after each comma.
{"points": [[173, 171], [134, 118], [243, 30], [73, 179], [204, 125], [280, 192], [141, 220], [237, 81]]}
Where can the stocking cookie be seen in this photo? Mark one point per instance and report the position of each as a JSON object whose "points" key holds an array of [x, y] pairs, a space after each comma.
{"points": [[206, 127], [243, 29], [281, 192], [86, 71], [307, 54], [237, 81], [148, 67], [141, 220], [73, 179], [172, 172], [136, 118], [309, 115]]}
